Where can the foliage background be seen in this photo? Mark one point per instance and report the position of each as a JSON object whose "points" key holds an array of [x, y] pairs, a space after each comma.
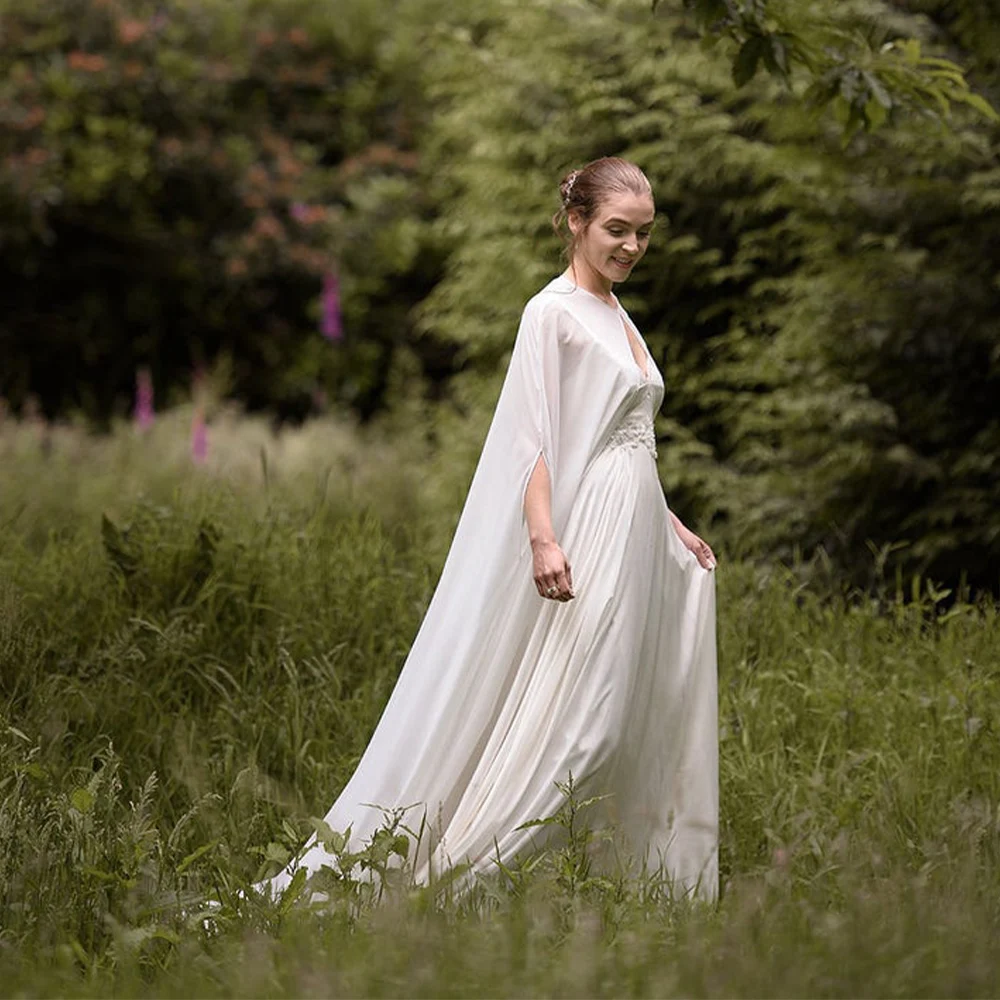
{"points": [[177, 181]]}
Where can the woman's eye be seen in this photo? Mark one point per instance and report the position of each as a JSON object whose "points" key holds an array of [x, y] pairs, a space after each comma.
{"points": [[644, 236], [616, 232]]}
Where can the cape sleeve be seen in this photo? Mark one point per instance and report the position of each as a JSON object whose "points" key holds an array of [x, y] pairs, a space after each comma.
{"points": [[528, 411], [444, 699], [550, 407]]}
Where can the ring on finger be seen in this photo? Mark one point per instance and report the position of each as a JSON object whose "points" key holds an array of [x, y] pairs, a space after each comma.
{"points": [[552, 591]]}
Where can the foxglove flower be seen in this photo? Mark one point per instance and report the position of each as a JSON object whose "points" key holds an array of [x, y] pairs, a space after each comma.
{"points": [[143, 413], [199, 438]]}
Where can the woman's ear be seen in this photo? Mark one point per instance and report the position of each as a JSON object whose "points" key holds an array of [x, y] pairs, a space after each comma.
{"points": [[574, 221]]}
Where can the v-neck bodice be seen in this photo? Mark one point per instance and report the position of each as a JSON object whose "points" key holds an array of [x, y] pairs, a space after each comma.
{"points": [[622, 322]]}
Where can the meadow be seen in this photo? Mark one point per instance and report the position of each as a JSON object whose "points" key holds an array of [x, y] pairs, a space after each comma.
{"points": [[192, 656]]}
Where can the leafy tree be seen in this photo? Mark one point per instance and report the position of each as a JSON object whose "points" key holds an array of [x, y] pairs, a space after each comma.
{"points": [[973, 29], [824, 315], [860, 64], [176, 182]]}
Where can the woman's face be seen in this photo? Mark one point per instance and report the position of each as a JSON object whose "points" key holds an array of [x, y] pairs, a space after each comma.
{"points": [[616, 238]]}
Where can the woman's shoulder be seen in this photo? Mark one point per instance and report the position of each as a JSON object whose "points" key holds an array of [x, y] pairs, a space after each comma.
{"points": [[549, 317], [557, 300]]}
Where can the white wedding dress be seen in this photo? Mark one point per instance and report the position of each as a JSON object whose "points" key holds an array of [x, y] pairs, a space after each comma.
{"points": [[503, 693]]}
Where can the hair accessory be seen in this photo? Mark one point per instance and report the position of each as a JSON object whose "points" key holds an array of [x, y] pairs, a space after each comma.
{"points": [[570, 181]]}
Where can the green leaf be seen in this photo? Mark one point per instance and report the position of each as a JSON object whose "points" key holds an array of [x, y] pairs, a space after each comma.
{"points": [[135, 937], [331, 839], [81, 954], [909, 48], [548, 821], [945, 64], [875, 114], [779, 55], [82, 800], [100, 874], [293, 890], [841, 110], [878, 90], [194, 855], [978, 102], [276, 853], [955, 76], [747, 59]]}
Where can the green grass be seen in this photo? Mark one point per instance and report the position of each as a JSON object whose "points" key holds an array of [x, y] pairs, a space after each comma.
{"points": [[191, 660]]}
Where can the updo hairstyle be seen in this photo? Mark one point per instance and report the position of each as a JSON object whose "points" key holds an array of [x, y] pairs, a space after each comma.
{"points": [[584, 190]]}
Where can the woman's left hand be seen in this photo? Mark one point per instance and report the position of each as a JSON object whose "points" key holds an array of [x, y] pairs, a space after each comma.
{"points": [[701, 548]]}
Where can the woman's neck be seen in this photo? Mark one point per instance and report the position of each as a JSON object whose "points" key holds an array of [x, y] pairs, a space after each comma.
{"points": [[585, 277]]}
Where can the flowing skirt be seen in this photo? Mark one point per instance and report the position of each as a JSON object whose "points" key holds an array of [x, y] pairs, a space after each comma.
{"points": [[616, 687]]}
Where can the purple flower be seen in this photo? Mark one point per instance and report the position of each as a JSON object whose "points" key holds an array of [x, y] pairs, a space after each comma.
{"points": [[199, 438], [143, 413], [299, 211], [330, 324]]}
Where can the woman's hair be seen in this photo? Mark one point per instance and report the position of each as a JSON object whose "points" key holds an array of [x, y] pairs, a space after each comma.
{"points": [[584, 190]]}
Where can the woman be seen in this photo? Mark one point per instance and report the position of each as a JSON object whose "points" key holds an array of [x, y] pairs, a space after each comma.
{"points": [[604, 669]]}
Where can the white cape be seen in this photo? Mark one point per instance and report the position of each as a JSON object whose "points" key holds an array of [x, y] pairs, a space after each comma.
{"points": [[504, 693]]}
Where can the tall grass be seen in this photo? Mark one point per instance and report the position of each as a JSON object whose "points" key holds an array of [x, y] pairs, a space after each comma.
{"points": [[192, 659]]}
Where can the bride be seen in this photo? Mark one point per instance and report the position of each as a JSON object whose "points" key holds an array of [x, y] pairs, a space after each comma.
{"points": [[572, 631]]}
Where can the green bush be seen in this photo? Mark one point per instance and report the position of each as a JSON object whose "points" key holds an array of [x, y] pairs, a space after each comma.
{"points": [[177, 180]]}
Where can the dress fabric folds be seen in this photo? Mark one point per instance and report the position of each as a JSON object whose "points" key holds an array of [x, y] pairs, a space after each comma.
{"points": [[503, 693]]}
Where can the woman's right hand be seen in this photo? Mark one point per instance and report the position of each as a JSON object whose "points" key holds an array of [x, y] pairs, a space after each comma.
{"points": [[553, 577]]}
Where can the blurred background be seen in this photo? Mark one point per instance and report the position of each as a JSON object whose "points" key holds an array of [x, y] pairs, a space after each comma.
{"points": [[257, 218]]}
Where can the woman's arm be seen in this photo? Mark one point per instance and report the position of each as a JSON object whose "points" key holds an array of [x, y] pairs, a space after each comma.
{"points": [[550, 565]]}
